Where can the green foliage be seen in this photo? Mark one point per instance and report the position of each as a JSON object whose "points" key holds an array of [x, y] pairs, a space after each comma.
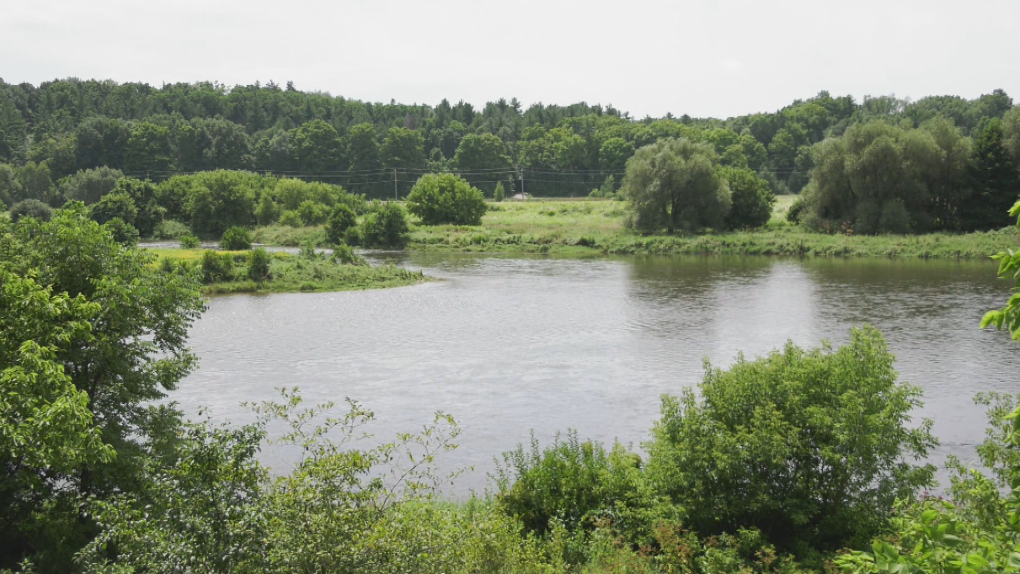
{"points": [[386, 227], [122, 231], [498, 195], [170, 229], [89, 185], [216, 267], [481, 153], [209, 506], [995, 177], [578, 485], [313, 213], [344, 254], [31, 208], [809, 447], [977, 530], [341, 219], [446, 198], [752, 198], [46, 426], [674, 184], [881, 178], [258, 265], [189, 241], [138, 348], [796, 210], [291, 219], [1009, 268], [117, 205], [236, 239]]}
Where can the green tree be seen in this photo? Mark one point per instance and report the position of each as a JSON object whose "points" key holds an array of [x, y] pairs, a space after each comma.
{"points": [[31, 208], [365, 160], [498, 195], [484, 158], [10, 187], [752, 198], [876, 178], [119, 205], [34, 182], [446, 198], [674, 184], [149, 149], [317, 148], [47, 425], [1011, 133], [995, 178], [133, 350], [89, 185], [403, 149], [809, 447]]}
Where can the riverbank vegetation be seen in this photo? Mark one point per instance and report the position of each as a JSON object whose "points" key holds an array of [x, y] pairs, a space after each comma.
{"points": [[226, 272]]}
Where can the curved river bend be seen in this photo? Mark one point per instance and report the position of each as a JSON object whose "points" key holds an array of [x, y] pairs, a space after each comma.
{"points": [[507, 345]]}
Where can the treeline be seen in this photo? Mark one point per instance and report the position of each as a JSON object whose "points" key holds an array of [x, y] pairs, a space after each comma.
{"points": [[381, 149]]}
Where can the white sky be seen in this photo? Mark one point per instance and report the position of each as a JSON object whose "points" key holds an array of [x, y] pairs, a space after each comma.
{"points": [[705, 58]]}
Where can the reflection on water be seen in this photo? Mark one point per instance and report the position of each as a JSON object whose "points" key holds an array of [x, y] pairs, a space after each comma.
{"points": [[512, 344]]}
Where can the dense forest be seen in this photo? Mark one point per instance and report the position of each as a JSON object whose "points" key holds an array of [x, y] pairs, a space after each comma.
{"points": [[54, 130]]}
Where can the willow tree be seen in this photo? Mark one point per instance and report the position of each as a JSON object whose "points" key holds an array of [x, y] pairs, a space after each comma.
{"points": [[674, 184]]}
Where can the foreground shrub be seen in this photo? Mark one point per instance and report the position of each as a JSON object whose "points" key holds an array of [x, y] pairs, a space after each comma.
{"points": [[236, 239], [577, 485], [207, 505], [809, 447], [31, 208], [341, 219], [446, 198], [386, 227]]}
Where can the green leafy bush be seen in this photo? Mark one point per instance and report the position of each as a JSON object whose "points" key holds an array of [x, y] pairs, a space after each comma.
{"points": [[291, 219], [795, 211], [236, 239], [446, 198], [189, 241], [498, 195], [386, 227], [313, 213], [258, 265], [217, 267], [809, 447], [344, 254], [578, 484], [122, 231], [170, 229], [31, 208], [340, 220]]}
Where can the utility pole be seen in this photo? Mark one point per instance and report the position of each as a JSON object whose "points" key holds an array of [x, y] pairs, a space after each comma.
{"points": [[395, 197]]}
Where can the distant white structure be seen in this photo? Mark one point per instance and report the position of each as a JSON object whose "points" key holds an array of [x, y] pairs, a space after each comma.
{"points": [[521, 196]]}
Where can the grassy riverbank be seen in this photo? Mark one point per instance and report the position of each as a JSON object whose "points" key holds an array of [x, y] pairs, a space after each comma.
{"points": [[292, 273], [596, 227]]}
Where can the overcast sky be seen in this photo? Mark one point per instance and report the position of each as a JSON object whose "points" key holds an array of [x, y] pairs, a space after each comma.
{"points": [[705, 58]]}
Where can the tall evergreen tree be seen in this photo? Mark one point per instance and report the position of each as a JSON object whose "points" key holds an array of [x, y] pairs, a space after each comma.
{"points": [[994, 179]]}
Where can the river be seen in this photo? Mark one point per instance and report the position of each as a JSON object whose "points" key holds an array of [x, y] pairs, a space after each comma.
{"points": [[508, 345]]}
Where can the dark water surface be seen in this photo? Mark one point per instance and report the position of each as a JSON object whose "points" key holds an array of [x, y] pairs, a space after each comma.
{"points": [[507, 345]]}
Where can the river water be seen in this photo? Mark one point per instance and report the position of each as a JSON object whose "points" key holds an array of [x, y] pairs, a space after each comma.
{"points": [[511, 345]]}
